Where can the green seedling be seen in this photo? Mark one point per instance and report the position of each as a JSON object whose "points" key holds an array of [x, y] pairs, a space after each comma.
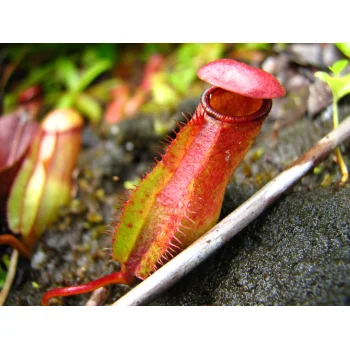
{"points": [[340, 86], [344, 48]]}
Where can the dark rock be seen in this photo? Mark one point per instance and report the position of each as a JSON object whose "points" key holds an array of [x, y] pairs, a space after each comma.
{"points": [[320, 97], [89, 137], [293, 105], [298, 253]]}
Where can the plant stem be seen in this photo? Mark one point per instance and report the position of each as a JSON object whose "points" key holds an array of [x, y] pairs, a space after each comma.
{"points": [[15, 243], [121, 277], [341, 162], [335, 113], [10, 277]]}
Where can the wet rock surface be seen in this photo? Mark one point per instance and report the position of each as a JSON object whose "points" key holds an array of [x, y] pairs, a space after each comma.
{"points": [[297, 253]]}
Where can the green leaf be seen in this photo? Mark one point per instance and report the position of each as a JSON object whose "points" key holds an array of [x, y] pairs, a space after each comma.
{"points": [[195, 55], [186, 52], [9, 102], [102, 90], [344, 48], [323, 76], [68, 73], [189, 58], [66, 100], [92, 73], [183, 81], [163, 94], [338, 67], [3, 272], [36, 76], [89, 107], [148, 49], [52, 97], [253, 46], [340, 86], [107, 51], [97, 52]]}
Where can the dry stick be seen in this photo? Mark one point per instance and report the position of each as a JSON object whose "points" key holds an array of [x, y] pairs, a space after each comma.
{"points": [[9, 277], [187, 260], [98, 297]]}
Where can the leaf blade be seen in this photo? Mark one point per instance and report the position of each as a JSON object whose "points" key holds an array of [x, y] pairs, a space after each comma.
{"points": [[92, 73]]}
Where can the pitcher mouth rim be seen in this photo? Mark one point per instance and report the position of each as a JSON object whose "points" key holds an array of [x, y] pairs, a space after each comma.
{"points": [[262, 112]]}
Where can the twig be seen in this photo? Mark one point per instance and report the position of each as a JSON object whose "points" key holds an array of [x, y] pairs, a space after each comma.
{"points": [[9, 277], [98, 297], [175, 269]]}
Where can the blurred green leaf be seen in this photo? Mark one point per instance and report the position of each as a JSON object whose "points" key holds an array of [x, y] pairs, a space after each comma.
{"points": [[182, 81], [2, 277], [36, 76], [92, 73], [189, 58], [10, 68], [68, 73], [3, 272], [323, 76], [186, 52], [98, 52], [163, 94], [52, 97], [39, 75], [89, 107], [107, 51], [66, 100], [253, 46], [150, 49], [10, 102], [103, 89], [340, 86], [338, 67], [344, 48]]}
